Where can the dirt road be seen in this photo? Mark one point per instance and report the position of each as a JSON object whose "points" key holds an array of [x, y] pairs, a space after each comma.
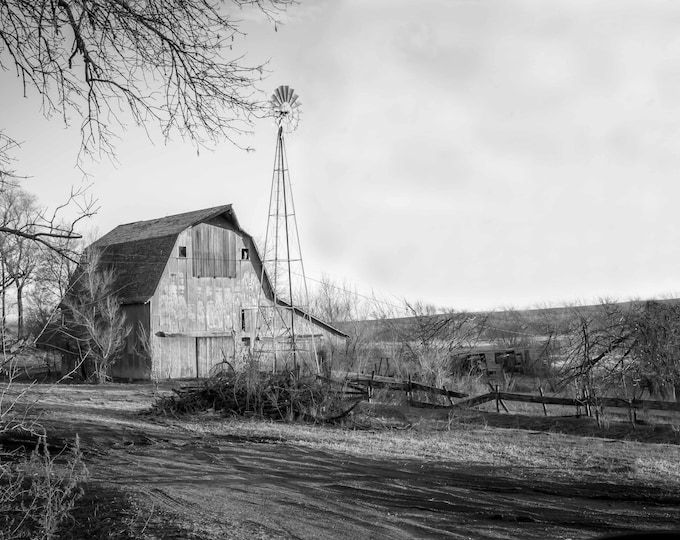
{"points": [[224, 486]]}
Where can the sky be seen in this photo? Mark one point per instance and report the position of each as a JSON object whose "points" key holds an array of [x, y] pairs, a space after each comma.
{"points": [[470, 154]]}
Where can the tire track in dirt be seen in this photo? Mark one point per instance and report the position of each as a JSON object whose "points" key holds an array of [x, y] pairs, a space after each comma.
{"points": [[288, 491], [227, 487]]}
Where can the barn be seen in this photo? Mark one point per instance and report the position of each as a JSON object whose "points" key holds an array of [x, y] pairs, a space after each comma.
{"points": [[189, 286]]}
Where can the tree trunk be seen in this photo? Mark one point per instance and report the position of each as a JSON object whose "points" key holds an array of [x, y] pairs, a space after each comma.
{"points": [[3, 295], [20, 311]]}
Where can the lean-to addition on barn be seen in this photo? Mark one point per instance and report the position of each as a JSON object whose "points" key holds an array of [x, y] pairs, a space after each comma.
{"points": [[189, 287]]}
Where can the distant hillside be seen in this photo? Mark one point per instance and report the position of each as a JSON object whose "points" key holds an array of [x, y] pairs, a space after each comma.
{"points": [[530, 323]]}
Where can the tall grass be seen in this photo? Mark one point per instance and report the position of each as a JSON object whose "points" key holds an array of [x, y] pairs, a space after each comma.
{"points": [[37, 490], [36, 493]]}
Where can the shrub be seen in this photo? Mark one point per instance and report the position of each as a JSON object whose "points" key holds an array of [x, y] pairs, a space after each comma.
{"points": [[276, 396], [36, 493]]}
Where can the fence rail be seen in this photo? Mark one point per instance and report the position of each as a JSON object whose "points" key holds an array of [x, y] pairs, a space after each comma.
{"points": [[362, 385], [574, 402], [359, 381]]}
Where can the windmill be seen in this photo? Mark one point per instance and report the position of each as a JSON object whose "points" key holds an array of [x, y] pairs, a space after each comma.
{"points": [[285, 336]]}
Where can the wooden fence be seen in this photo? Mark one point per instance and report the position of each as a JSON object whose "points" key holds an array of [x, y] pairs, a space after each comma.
{"points": [[362, 386], [359, 384]]}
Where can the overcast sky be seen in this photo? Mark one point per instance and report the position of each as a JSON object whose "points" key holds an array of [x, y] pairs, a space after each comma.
{"points": [[472, 154]]}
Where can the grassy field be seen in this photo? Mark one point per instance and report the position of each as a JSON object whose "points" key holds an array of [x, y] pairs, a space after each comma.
{"points": [[571, 448]]}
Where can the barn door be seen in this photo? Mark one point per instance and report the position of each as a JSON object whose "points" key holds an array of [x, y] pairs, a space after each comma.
{"points": [[211, 351]]}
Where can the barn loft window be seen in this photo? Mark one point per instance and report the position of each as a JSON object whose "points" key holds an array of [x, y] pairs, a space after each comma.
{"points": [[182, 252], [214, 251], [244, 254]]}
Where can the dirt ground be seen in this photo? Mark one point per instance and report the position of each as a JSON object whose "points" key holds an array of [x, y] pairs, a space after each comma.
{"points": [[166, 481]]}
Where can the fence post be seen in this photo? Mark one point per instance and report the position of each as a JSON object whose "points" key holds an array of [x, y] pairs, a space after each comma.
{"points": [[545, 411], [631, 413], [499, 402], [599, 411], [577, 400], [448, 396]]}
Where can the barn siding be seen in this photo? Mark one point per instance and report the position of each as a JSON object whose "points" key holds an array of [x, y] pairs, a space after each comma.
{"points": [[206, 311], [213, 251], [175, 358], [211, 351]]}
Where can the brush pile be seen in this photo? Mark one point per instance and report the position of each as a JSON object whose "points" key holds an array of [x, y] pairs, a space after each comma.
{"points": [[279, 396]]}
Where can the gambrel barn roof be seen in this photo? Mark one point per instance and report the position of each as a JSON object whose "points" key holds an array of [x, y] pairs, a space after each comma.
{"points": [[139, 252]]}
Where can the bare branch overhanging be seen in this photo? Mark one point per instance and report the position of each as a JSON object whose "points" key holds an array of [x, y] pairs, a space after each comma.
{"points": [[162, 61]]}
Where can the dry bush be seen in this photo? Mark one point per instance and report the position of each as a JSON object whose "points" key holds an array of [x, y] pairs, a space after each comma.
{"points": [[37, 494], [277, 396], [470, 384], [94, 324], [38, 490]]}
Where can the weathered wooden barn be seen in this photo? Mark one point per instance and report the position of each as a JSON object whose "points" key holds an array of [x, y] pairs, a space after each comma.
{"points": [[189, 286]]}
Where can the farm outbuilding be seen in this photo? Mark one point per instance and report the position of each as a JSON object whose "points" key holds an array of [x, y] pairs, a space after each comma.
{"points": [[189, 285]]}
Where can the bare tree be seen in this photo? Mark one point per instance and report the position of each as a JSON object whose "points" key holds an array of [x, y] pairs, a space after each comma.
{"points": [[7, 178], [429, 338], [50, 284], [655, 355], [596, 340], [94, 324], [45, 227], [335, 302], [342, 306], [7, 145], [19, 255], [29, 236], [510, 328], [535, 330], [161, 61], [5, 282]]}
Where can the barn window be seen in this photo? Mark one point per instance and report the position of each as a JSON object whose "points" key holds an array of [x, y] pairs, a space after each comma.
{"points": [[183, 251], [244, 254], [243, 320]]}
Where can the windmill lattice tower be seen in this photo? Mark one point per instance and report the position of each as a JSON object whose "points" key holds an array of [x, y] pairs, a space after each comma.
{"points": [[284, 330]]}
